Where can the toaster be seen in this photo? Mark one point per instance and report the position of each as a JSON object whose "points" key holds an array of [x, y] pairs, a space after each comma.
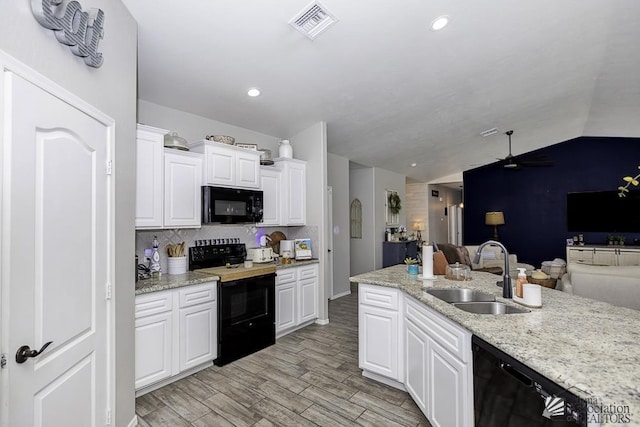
{"points": [[260, 254]]}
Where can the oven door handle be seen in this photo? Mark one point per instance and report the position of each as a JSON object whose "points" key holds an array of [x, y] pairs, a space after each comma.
{"points": [[509, 369]]}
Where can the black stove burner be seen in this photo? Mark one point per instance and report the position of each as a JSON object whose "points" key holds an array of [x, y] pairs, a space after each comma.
{"points": [[207, 256]]}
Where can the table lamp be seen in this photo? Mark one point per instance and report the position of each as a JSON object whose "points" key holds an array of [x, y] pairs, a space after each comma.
{"points": [[495, 219], [418, 227]]}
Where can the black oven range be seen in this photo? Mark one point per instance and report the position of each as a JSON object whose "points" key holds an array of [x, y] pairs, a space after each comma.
{"points": [[246, 304]]}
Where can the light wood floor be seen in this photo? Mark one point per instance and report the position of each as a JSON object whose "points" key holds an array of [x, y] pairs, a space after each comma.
{"points": [[309, 377]]}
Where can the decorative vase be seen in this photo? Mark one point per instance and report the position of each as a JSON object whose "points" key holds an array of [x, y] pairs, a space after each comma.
{"points": [[412, 269], [285, 150]]}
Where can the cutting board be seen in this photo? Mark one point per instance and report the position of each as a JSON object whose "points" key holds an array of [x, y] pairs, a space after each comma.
{"points": [[230, 274]]}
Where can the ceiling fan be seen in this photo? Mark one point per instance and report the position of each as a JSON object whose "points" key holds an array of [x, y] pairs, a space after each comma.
{"points": [[518, 162]]}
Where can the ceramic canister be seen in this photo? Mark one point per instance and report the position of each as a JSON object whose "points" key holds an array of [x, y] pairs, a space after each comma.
{"points": [[285, 150]]}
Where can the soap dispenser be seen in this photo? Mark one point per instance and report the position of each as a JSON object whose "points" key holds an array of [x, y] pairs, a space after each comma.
{"points": [[155, 259], [522, 279]]}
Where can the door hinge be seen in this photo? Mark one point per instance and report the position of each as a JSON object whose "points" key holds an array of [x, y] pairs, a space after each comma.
{"points": [[109, 167], [108, 290], [3, 360], [108, 417]]}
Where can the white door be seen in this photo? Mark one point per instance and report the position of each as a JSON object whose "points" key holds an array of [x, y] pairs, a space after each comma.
{"points": [[56, 256], [329, 279]]}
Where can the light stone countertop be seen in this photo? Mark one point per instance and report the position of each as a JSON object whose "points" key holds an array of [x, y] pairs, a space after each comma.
{"points": [[589, 347], [171, 281]]}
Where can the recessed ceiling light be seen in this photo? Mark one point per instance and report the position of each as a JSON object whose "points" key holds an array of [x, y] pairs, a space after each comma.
{"points": [[253, 92], [413, 165], [439, 23]]}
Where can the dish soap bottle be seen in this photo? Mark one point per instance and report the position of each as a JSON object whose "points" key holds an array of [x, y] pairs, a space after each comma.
{"points": [[155, 259], [522, 279]]}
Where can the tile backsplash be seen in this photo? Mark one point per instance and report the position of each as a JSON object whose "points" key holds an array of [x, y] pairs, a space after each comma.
{"points": [[248, 234]]}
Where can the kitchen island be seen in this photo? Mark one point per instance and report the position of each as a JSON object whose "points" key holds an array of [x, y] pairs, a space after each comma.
{"points": [[588, 347]]}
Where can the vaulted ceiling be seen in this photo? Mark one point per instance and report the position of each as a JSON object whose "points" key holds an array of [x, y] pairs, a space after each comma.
{"points": [[392, 91]]}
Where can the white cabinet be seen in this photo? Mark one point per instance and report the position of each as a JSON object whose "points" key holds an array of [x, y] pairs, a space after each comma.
{"points": [[286, 302], [167, 183], [149, 196], [307, 293], [439, 371], [380, 336], [175, 332], [182, 194], [296, 297], [603, 255], [197, 325], [153, 338], [228, 166], [271, 186], [294, 191]]}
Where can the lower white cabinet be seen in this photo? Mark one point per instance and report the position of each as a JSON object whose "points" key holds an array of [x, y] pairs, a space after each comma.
{"points": [[603, 255], [296, 297], [439, 371], [380, 333], [154, 339], [175, 331]]}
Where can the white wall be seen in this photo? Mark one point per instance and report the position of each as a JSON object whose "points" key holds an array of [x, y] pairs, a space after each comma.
{"points": [[386, 180], [111, 89], [338, 178], [311, 145], [194, 128], [362, 256]]}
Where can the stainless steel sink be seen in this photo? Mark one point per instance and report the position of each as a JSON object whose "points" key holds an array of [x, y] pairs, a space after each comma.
{"points": [[460, 295], [494, 307]]}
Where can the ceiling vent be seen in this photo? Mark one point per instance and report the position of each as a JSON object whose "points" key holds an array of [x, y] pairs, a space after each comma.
{"points": [[313, 20]]}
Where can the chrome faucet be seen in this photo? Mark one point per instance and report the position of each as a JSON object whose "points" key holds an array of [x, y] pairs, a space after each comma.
{"points": [[506, 279]]}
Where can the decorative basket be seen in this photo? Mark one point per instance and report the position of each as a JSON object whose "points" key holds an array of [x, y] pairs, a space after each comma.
{"points": [[547, 283], [225, 139]]}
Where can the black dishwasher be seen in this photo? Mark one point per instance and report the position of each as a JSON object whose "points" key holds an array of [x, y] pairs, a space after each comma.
{"points": [[510, 394]]}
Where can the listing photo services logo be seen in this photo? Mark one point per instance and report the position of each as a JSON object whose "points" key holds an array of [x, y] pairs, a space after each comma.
{"points": [[553, 407], [612, 413]]}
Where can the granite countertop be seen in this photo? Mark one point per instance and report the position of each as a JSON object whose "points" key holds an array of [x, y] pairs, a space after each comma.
{"points": [[589, 347], [171, 281]]}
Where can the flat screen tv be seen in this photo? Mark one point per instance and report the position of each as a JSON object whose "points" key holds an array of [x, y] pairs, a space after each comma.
{"points": [[603, 211]]}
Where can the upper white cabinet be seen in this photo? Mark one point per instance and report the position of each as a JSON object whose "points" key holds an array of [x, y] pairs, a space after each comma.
{"points": [[149, 195], [294, 191], [182, 199], [271, 179], [168, 183], [228, 166]]}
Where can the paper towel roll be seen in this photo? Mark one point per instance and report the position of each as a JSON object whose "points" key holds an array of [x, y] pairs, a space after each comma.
{"points": [[427, 262]]}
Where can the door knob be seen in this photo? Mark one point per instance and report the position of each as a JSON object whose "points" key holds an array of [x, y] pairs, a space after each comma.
{"points": [[25, 352]]}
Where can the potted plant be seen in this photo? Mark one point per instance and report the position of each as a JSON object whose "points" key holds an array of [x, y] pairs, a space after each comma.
{"points": [[610, 239], [412, 265], [621, 240]]}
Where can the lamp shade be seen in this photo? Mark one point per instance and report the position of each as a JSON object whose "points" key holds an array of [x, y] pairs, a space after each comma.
{"points": [[494, 218], [418, 226]]}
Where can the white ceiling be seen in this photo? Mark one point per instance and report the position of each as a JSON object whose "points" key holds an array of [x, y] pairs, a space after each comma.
{"points": [[392, 91]]}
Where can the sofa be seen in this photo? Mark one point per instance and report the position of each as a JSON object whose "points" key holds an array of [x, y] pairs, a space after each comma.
{"points": [[491, 258], [618, 286]]}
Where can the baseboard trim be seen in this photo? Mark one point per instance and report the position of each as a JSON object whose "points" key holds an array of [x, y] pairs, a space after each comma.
{"points": [[173, 378], [134, 422], [340, 295], [322, 322], [384, 380]]}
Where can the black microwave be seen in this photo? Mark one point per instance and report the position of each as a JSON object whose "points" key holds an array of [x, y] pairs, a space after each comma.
{"points": [[230, 205]]}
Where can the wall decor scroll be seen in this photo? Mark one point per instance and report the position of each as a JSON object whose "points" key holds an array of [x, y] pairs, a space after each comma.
{"points": [[79, 30]]}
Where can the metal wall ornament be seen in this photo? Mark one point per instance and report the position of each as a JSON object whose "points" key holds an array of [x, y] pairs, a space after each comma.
{"points": [[79, 30]]}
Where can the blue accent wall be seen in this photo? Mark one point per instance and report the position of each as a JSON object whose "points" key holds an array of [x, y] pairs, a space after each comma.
{"points": [[533, 199]]}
